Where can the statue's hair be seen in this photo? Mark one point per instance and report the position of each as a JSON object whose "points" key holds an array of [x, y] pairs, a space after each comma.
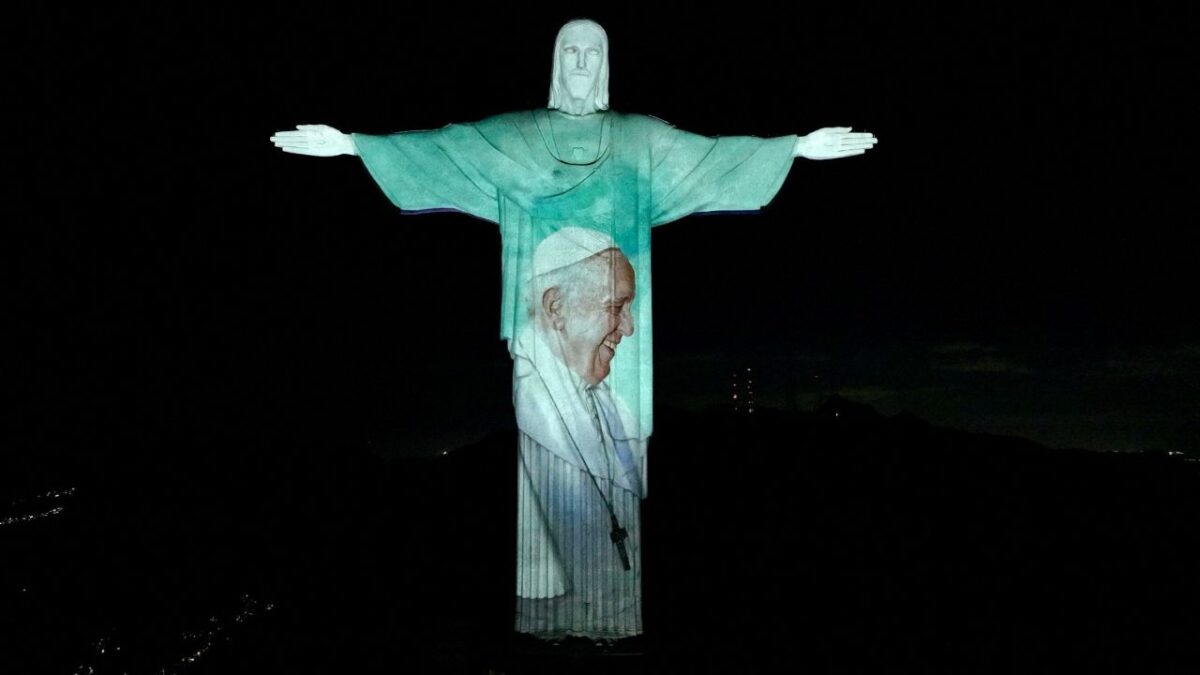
{"points": [[558, 96]]}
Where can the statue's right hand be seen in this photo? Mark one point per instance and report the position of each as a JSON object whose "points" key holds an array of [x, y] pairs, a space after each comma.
{"points": [[317, 140]]}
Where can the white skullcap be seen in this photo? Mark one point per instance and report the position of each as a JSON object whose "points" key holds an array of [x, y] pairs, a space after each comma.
{"points": [[567, 247]]}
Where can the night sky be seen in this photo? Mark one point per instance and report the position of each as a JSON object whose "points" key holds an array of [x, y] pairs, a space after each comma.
{"points": [[1014, 257]]}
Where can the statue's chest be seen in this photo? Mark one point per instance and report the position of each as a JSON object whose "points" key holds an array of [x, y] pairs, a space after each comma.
{"points": [[578, 144], [579, 141], [588, 183]]}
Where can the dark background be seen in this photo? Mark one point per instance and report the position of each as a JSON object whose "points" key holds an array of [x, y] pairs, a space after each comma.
{"points": [[1013, 257], [248, 363]]}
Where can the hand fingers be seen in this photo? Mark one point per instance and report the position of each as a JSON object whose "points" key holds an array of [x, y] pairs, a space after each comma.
{"points": [[301, 151], [292, 146], [844, 138], [850, 153], [291, 134]]}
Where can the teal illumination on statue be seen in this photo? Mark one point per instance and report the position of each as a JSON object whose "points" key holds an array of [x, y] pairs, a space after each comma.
{"points": [[575, 189]]}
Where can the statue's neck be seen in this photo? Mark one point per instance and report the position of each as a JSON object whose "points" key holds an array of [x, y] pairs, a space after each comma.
{"points": [[576, 139], [579, 107]]}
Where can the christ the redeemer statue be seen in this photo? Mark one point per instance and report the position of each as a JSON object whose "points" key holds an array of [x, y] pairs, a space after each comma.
{"points": [[575, 189]]}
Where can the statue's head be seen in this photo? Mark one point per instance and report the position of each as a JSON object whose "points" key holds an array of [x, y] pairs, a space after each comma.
{"points": [[579, 82], [581, 296]]}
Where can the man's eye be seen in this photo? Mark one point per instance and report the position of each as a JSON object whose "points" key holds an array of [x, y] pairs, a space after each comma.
{"points": [[595, 52], [570, 50]]}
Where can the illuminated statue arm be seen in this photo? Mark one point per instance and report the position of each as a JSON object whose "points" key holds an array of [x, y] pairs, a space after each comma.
{"points": [[699, 174], [441, 169], [833, 143], [316, 140]]}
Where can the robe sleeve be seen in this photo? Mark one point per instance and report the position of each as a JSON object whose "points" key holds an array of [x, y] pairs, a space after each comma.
{"points": [[697, 174], [447, 168]]}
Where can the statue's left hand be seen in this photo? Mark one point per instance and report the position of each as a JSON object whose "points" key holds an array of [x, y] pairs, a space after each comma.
{"points": [[834, 143]]}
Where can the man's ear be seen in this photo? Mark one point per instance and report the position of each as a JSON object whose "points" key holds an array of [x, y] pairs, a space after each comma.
{"points": [[552, 306]]}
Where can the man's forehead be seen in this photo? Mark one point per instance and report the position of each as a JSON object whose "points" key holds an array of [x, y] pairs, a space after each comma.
{"points": [[618, 274], [620, 262]]}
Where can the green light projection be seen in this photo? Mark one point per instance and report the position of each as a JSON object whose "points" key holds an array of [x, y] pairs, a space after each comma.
{"points": [[575, 189]]}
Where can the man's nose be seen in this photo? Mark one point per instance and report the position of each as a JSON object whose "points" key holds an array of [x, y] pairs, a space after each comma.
{"points": [[581, 59], [626, 326]]}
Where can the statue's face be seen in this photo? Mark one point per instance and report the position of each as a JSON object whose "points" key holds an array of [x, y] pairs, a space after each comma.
{"points": [[598, 317], [580, 54]]}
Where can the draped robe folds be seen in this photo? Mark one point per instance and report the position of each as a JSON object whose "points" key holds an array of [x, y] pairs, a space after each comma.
{"points": [[534, 173]]}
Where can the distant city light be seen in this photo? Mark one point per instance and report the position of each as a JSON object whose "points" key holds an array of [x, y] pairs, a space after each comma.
{"points": [[42, 514], [12, 520], [743, 391], [201, 641]]}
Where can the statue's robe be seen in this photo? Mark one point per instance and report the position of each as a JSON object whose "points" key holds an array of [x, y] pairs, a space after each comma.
{"points": [[533, 173]]}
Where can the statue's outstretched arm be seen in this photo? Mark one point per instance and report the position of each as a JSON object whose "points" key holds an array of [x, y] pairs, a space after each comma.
{"points": [[834, 143], [317, 140]]}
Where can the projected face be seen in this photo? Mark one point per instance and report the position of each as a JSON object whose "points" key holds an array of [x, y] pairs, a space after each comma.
{"points": [[580, 53], [591, 313]]}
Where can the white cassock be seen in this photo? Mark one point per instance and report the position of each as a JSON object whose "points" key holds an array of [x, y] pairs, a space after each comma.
{"points": [[570, 577]]}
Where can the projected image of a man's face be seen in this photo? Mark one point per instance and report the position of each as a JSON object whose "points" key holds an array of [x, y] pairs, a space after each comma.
{"points": [[600, 316], [590, 311]]}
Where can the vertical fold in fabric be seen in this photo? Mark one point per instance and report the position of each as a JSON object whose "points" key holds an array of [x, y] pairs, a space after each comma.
{"points": [[594, 596]]}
